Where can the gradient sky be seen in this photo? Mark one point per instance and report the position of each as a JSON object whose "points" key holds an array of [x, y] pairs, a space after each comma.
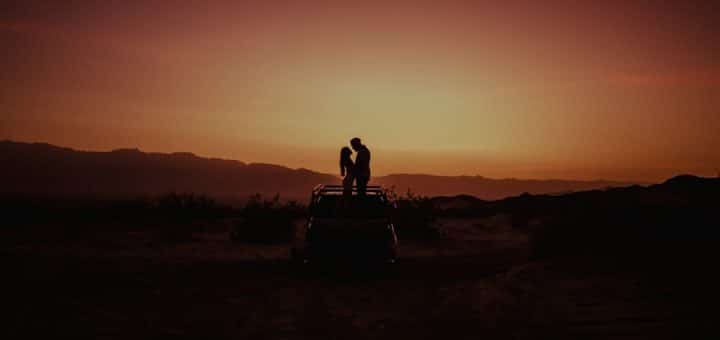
{"points": [[626, 90]]}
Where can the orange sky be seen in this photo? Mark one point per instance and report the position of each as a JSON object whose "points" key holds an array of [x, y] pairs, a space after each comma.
{"points": [[623, 90]]}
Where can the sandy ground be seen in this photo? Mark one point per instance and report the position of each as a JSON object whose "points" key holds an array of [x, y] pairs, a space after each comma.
{"points": [[479, 282]]}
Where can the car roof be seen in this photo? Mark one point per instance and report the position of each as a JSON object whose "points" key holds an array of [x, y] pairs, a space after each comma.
{"points": [[331, 189]]}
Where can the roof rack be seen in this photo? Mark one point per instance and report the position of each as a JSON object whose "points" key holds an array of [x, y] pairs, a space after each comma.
{"points": [[330, 188]]}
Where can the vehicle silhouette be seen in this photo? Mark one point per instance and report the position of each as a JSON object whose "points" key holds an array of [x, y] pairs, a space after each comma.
{"points": [[347, 227]]}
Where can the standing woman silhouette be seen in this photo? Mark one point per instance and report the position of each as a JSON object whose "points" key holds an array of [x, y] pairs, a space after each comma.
{"points": [[347, 170]]}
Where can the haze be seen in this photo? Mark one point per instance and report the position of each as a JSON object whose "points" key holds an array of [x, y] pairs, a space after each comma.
{"points": [[533, 89]]}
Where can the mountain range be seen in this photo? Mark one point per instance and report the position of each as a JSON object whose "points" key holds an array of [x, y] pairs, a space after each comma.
{"points": [[40, 169]]}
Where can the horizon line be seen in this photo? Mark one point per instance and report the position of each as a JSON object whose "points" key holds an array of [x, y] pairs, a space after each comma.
{"points": [[137, 148]]}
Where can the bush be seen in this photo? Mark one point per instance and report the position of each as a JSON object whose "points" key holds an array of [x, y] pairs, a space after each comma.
{"points": [[189, 206], [267, 220], [169, 217], [415, 216]]}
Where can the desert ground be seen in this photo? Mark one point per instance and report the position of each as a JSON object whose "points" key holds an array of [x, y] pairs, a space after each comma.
{"points": [[478, 281]]}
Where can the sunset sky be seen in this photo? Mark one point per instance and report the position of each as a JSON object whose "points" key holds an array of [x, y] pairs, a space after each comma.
{"points": [[625, 90]]}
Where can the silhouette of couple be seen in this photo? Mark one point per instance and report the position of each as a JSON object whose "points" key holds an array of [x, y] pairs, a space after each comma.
{"points": [[357, 171]]}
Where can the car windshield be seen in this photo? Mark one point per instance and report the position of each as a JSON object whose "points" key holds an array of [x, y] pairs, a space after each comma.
{"points": [[371, 206]]}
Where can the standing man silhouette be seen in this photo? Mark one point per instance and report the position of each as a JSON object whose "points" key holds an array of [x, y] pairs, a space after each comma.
{"points": [[362, 165]]}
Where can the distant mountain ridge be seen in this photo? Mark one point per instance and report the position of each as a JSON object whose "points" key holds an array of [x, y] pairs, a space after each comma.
{"points": [[48, 170], [678, 190], [488, 188]]}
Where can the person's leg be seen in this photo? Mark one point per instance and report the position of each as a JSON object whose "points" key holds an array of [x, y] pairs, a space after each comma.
{"points": [[347, 185], [361, 185], [347, 191]]}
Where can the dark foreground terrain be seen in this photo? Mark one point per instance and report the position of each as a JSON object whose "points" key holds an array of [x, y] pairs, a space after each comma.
{"points": [[517, 274], [211, 288]]}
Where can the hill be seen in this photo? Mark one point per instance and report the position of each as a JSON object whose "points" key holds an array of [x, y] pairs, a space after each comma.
{"points": [[679, 191], [615, 220], [40, 169], [47, 170], [487, 188]]}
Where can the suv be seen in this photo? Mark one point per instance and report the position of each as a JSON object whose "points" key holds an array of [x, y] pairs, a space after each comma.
{"points": [[348, 228]]}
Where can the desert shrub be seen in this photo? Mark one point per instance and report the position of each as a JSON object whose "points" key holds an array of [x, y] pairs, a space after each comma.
{"points": [[175, 217], [415, 216], [172, 216], [189, 206], [267, 220]]}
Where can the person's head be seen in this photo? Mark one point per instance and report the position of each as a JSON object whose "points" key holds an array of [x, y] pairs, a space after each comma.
{"points": [[345, 153], [356, 143]]}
